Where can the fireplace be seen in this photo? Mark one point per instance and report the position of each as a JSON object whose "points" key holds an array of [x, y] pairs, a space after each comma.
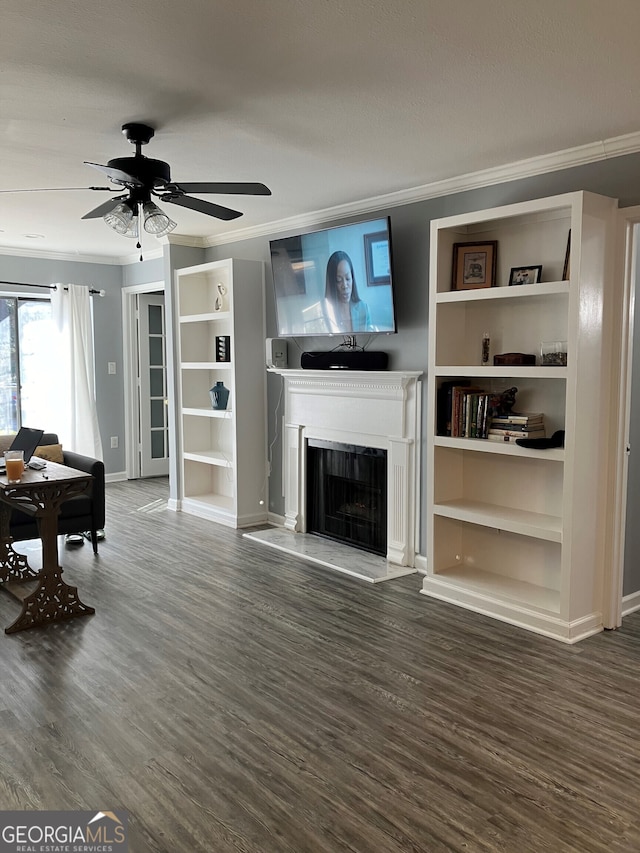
{"points": [[347, 494], [370, 500], [372, 409]]}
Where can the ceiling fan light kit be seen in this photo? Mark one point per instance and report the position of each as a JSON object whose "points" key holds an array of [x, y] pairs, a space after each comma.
{"points": [[126, 216]]}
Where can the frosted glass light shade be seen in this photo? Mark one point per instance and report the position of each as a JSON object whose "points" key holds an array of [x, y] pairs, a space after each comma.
{"points": [[123, 220], [155, 221]]}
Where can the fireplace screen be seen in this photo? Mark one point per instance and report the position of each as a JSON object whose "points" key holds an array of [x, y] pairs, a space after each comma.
{"points": [[347, 494]]}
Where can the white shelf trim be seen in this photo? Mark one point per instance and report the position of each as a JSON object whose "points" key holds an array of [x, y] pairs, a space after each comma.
{"points": [[499, 587], [483, 445], [210, 457], [503, 371], [205, 365], [534, 524], [523, 291], [227, 414], [205, 318]]}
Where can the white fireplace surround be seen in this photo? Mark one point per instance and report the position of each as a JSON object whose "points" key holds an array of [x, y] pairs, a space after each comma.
{"points": [[366, 408]]}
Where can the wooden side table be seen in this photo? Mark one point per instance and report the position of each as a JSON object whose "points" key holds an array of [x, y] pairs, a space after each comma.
{"points": [[40, 494]]}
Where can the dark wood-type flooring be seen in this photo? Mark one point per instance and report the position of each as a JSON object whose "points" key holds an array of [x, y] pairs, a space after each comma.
{"points": [[231, 698]]}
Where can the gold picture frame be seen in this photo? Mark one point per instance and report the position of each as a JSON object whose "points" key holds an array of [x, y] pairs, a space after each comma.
{"points": [[474, 265]]}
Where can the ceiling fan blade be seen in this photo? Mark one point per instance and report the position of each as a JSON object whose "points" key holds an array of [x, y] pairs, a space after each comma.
{"points": [[233, 188], [116, 175], [203, 207], [60, 190], [103, 208]]}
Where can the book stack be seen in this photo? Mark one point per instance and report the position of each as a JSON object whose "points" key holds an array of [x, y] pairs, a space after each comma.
{"points": [[516, 425], [463, 410]]}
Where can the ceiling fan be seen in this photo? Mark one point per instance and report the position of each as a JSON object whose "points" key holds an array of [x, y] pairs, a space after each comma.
{"points": [[143, 178], [140, 178]]}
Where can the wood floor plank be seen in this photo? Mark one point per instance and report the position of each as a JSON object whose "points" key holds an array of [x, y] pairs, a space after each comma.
{"points": [[233, 699]]}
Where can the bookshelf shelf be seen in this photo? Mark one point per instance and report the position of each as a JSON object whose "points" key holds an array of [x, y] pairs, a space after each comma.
{"points": [[481, 445], [209, 317], [475, 587], [507, 372], [535, 524], [513, 532], [525, 291]]}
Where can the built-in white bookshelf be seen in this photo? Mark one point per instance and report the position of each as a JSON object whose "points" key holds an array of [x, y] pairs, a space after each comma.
{"points": [[222, 451], [518, 533]]}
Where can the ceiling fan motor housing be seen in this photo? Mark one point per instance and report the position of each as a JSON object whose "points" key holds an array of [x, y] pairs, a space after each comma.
{"points": [[152, 173]]}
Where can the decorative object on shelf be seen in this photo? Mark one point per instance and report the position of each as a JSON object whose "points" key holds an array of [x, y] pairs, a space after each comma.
{"points": [[553, 353], [502, 404], [566, 270], [219, 396], [220, 303], [223, 348], [474, 265], [556, 440], [514, 359], [486, 347], [525, 275]]}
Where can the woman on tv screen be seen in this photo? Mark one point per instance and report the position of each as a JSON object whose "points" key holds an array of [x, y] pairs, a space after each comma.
{"points": [[346, 312]]}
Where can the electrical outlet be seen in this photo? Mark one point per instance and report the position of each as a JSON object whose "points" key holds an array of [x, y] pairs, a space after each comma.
{"points": [[111, 367], [114, 441]]}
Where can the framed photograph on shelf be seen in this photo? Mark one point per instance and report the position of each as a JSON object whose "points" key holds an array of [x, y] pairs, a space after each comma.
{"points": [[474, 265], [525, 275], [376, 255]]}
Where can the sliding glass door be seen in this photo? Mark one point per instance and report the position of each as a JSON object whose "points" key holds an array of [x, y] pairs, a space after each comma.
{"points": [[27, 363]]}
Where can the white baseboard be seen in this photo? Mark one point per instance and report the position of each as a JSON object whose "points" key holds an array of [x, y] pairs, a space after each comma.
{"points": [[630, 603], [116, 477], [420, 562]]}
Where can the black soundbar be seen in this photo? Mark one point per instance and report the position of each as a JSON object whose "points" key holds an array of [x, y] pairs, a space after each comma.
{"points": [[344, 360]]}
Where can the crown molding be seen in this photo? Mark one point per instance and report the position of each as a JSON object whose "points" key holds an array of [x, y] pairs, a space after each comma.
{"points": [[187, 240], [134, 258], [18, 252], [567, 159]]}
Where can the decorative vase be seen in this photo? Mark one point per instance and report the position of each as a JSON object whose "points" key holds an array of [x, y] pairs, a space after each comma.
{"points": [[220, 303], [219, 396]]}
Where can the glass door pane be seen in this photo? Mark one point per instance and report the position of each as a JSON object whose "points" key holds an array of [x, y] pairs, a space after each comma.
{"points": [[37, 368], [8, 367]]}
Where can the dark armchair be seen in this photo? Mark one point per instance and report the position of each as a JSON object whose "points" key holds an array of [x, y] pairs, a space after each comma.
{"points": [[81, 514]]}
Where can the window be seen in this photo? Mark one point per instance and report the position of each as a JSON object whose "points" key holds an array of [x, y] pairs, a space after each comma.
{"points": [[27, 364]]}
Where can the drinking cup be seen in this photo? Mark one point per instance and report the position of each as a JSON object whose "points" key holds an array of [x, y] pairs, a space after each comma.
{"points": [[14, 461]]}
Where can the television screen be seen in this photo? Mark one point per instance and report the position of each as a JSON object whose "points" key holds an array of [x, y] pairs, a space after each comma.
{"points": [[335, 282]]}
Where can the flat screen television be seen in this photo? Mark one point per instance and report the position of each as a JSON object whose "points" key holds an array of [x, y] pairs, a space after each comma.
{"points": [[337, 281]]}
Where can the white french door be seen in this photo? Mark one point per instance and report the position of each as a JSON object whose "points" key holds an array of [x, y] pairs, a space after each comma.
{"points": [[152, 386]]}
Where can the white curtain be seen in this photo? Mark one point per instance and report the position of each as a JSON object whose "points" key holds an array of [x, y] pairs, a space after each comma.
{"points": [[76, 420]]}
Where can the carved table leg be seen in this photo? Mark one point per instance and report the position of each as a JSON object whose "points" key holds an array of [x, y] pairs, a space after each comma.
{"points": [[52, 600], [13, 566]]}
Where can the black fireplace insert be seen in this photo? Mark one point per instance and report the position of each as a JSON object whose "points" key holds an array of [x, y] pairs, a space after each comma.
{"points": [[347, 494]]}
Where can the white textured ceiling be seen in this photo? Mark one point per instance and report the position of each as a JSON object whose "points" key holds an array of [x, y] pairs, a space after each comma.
{"points": [[326, 101]]}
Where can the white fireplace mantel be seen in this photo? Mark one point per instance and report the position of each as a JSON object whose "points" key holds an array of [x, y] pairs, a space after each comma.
{"points": [[367, 408]]}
